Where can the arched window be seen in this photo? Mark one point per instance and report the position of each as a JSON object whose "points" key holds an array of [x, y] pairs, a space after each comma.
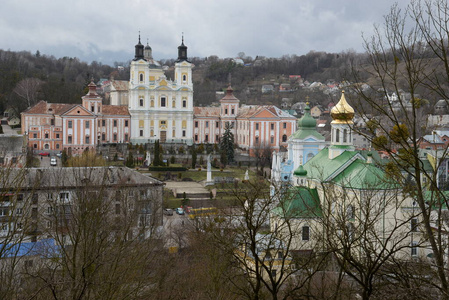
{"points": [[345, 133], [309, 156], [305, 233], [184, 78], [141, 77], [46, 146], [337, 135], [284, 138]]}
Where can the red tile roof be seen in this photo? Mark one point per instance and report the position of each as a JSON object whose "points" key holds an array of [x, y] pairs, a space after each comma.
{"points": [[115, 110], [42, 107], [206, 111]]}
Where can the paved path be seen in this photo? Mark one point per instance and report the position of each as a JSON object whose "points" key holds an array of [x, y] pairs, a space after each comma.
{"points": [[7, 130], [190, 187]]}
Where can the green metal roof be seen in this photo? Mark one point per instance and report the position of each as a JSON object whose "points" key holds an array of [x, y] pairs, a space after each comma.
{"points": [[320, 167], [347, 170], [362, 175], [306, 127], [300, 202]]}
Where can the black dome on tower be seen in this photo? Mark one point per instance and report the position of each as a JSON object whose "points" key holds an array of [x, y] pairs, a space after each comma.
{"points": [[182, 52], [139, 50]]}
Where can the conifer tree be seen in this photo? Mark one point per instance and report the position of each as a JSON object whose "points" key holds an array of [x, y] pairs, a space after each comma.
{"points": [[227, 145]]}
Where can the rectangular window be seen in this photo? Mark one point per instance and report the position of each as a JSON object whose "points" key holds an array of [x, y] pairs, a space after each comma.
{"points": [[183, 133], [4, 211], [196, 138], [196, 124], [52, 122], [257, 126], [70, 124], [19, 211], [272, 140], [87, 124], [87, 139], [207, 138], [226, 111], [46, 135], [163, 101], [216, 124], [414, 225], [126, 123], [99, 123], [103, 123], [92, 108], [207, 124], [34, 135], [232, 111], [115, 137], [305, 233], [140, 102], [141, 133], [115, 123], [184, 103], [285, 125], [257, 140], [414, 249], [126, 137], [103, 137], [57, 135], [272, 126], [69, 139]]}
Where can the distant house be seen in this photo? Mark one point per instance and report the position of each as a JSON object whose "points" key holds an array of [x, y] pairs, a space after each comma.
{"points": [[238, 61], [267, 88], [12, 151], [285, 87], [316, 111]]}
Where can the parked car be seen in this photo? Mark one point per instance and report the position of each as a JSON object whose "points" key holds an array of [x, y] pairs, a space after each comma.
{"points": [[53, 161], [180, 211], [44, 154], [168, 212], [59, 154]]}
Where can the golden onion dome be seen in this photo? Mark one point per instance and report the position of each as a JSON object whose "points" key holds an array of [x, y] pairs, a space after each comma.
{"points": [[342, 112]]}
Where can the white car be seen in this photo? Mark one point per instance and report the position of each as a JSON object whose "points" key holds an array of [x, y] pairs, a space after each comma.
{"points": [[53, 161]]}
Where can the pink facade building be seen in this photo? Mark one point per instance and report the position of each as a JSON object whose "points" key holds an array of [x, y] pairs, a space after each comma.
{"points": [[75, 127], [254, 126]]}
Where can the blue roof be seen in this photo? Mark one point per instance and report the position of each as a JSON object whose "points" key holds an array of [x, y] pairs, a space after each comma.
{"points": [[45, 247]]}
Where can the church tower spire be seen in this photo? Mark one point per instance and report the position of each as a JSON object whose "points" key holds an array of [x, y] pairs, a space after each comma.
{"points": [[182, 51], [341, 131], [139, 50]]}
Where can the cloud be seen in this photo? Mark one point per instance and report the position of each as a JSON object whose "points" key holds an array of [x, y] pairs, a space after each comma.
{"points": [[108, 30]]}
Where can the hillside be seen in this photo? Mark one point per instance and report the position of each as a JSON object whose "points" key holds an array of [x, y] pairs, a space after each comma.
{"points": [[65, 79]]}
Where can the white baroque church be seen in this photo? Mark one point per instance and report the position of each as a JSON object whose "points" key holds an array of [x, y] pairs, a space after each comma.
{"points": [[160, 108]]}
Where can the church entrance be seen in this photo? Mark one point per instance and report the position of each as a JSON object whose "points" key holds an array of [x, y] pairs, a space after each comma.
{"points": [[163, 136]]}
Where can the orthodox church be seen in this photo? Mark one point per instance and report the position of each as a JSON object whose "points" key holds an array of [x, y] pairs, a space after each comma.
{"points": [[337, 190], [304, 144], [160, 109]]}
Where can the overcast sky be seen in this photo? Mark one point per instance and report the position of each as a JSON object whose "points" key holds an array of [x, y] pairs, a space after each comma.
{"points": [[107, 30]]}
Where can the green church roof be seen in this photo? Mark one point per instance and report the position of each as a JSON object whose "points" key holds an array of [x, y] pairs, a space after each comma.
{"points": [[349, 169], [300, 171], [306, 127], [300, 202]]}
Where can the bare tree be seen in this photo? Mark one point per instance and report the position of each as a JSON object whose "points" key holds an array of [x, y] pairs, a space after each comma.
{"points": [[28, 90], [409, 53]]}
